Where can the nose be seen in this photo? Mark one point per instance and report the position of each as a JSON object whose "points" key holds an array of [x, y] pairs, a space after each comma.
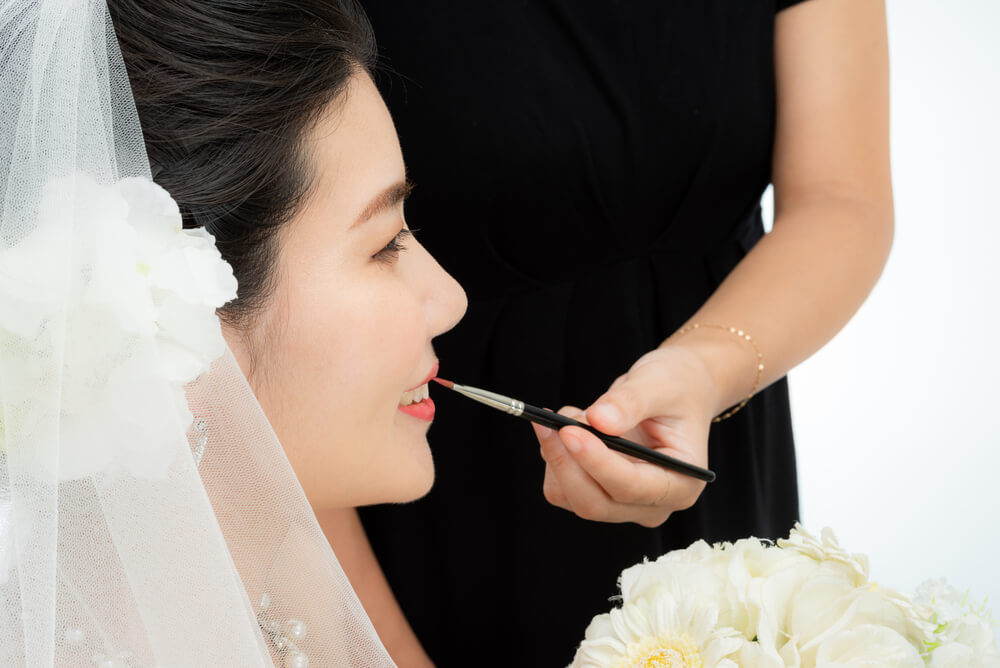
{"points": [[445, 301]]}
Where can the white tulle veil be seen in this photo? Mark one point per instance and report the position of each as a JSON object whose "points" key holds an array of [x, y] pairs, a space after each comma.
{"points": [[143, 522]]}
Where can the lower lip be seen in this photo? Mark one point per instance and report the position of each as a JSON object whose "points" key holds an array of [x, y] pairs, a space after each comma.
{"points": [[422, 410]]}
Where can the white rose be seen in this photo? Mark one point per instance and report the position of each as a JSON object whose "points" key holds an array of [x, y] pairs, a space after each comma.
{"points": [[827, 550], [867, 646]]}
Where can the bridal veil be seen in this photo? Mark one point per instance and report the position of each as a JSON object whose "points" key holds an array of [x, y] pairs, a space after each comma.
{"points": [[144, 520]]}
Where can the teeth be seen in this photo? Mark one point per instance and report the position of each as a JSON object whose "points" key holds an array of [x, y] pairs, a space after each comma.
{"points": [[415, 395]]}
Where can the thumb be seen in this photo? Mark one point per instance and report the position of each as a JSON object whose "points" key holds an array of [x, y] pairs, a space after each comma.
{"points": [[624, 405]]}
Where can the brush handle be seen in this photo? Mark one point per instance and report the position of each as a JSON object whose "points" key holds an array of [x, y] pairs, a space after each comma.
{"points": [[556, 421]]}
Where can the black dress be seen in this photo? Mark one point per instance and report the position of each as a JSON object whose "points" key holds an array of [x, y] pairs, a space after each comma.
{"points": [[589, 171]]}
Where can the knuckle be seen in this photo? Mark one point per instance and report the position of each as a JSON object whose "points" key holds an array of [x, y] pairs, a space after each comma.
{"points": [[552, 493], [630, 398], [592, 510], [556, 457], [653, 521], [627, 494], [664, 499], [619, 381], [687, 500], [549, 451]]}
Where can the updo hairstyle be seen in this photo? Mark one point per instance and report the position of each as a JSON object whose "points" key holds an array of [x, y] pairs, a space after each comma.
{"points": [[227, 91]]}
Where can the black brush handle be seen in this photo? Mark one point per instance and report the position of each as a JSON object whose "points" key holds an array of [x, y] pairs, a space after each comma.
{"points": [[556, 421]]}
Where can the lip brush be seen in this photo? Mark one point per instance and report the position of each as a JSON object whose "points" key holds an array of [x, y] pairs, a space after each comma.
{"points": [[556, 421]]}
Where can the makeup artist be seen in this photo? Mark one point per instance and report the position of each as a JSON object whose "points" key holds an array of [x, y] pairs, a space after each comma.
{"points": [[591, 172]]}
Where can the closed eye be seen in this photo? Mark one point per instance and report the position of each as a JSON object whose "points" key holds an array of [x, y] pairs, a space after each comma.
{"points": [[390, 253]]}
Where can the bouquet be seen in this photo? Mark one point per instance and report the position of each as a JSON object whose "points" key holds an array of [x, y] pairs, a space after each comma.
{"points": [[801, 603]]}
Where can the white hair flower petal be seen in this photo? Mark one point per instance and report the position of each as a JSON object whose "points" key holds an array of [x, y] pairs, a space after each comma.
{"points": [[133, 312]]}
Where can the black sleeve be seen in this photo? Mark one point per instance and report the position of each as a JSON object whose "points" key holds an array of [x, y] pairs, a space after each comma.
{"points": [[784, 4]]}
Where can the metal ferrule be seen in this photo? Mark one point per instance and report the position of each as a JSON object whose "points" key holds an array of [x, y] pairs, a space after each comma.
{"points": [[498, 401]]}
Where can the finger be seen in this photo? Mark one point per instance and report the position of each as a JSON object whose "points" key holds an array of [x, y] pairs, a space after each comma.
{"points": [[574, 412], [560, 465], [586, 500], [553, 452], [653, 519], [542, 433], [549, 444], [553, 492], [629, 482], [585, 497], [589, 504], [632, 398], [581, 493]]}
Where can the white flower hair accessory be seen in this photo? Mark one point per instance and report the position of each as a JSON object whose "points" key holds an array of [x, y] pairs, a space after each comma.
{"points": [[130, 302]]}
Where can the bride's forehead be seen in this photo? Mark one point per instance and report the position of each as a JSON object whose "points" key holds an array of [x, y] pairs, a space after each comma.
{"points": [[354, 150]]}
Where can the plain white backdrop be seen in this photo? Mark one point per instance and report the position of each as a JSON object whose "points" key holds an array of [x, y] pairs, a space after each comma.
{"points": [[897, 420]]}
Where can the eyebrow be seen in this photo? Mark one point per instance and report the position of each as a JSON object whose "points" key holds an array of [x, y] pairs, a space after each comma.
{"points": [[385, 200]]}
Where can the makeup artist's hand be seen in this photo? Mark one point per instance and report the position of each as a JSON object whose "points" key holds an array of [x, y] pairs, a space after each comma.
{"points": [[666, 401]]}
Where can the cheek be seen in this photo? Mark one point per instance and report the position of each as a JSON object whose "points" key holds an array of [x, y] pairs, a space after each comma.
{"points": [[347, 357], [374, 350]]}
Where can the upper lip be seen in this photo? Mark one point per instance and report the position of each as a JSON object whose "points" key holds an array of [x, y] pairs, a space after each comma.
{"points": [[434, 372]]}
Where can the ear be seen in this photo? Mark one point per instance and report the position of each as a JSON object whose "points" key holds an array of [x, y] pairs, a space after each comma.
{"points": [[240, 342]]}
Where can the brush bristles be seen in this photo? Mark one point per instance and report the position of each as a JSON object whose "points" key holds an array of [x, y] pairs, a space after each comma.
{"points": [[446, 383]]}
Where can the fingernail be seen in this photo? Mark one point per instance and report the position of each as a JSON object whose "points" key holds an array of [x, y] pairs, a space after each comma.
{"points": [[543, 432], [572, 444], [608, 413]]}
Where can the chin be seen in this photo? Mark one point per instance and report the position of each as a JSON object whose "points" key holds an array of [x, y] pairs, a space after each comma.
{"points": [[415, 479], [407, 477], [405, 491], [419, 489]]}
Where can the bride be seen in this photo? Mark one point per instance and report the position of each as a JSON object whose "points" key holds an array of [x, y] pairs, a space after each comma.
{"points": [[166, 437]]}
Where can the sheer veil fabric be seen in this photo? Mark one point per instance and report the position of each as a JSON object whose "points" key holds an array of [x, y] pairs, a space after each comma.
{"points": [[140, 525]]}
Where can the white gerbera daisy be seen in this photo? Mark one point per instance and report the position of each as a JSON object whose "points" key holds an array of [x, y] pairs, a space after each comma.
{"points": [[659, 632]]}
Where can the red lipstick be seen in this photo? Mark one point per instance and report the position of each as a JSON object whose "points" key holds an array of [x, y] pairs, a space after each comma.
{"points": [[424, 409]]}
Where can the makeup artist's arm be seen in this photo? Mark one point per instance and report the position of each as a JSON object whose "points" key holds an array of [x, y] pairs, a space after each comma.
{"points": [[344, 531], [793, 292]]}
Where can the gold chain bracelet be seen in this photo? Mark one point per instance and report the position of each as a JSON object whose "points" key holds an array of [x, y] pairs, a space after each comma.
{"points": [[746, 337]]}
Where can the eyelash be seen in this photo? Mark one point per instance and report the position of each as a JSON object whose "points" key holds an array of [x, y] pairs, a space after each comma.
{"points": [[390, 253]]}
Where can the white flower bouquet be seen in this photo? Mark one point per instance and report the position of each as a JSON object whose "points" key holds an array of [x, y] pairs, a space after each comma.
{"points": [[802, 603]]}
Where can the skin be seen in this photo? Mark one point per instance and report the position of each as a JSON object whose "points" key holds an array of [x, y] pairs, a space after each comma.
{"points": [[347, 331], [349, 327], [793, 292]]}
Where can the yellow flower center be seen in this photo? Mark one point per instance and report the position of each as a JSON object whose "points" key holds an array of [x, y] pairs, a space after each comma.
{"points": [[670, 650]]}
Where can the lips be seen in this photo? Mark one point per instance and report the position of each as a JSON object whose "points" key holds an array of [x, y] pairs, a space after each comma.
{"points": [[434, 372], [417, 402], [423, 410]]}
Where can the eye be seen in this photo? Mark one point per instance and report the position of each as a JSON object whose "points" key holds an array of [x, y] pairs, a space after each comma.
{"points": [[390, 253]]}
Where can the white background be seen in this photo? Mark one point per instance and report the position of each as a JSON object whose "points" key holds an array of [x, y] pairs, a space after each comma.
{"points": [[897, 420]]}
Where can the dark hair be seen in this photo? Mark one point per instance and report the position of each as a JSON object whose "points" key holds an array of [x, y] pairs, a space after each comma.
{"points": [[226, 92]]}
